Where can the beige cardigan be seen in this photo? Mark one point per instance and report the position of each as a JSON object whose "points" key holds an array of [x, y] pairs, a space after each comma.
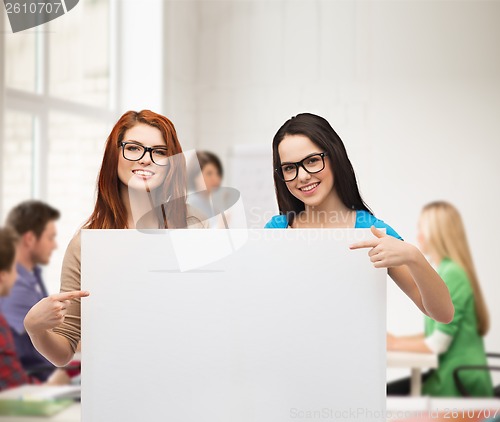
{"points": [[71, 280]]}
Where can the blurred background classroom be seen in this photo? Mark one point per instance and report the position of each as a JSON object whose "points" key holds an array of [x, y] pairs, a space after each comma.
{"points": [[412, 88]]}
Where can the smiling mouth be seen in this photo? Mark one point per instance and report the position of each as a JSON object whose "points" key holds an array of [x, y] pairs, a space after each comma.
{"points": [[309, 187], [143, 173]]}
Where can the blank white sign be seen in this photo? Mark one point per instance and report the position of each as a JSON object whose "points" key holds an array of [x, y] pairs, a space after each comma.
{"points": [[282, 325]]}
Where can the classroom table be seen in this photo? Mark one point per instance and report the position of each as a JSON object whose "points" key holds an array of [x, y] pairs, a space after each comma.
{"points": [[69, 414], [416, 362]]}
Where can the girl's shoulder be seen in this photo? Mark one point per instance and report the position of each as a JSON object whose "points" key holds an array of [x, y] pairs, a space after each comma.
{"points": [[451, 271], [364, 220], [195, 219], [277, 222]]}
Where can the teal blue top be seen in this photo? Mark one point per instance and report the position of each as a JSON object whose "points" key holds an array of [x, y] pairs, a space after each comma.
{"points": [[364, 220]]}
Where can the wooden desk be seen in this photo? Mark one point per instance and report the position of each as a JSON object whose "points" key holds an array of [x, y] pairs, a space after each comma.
{"points": [[414, 361]]}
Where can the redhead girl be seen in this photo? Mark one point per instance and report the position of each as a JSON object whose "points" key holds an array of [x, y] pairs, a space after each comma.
{"points": [[316, 188], [141, 184]]}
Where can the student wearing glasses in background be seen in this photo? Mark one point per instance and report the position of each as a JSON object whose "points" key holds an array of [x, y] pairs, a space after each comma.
{"points": [[316, 188], [141, 184]]}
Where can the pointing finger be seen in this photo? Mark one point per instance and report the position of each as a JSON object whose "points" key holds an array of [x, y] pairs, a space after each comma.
{"points": [[365, 244], [70, 295]]}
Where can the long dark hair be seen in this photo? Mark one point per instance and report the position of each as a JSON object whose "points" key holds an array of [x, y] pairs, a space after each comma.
{"points": [[319, 131], [109, 211]]}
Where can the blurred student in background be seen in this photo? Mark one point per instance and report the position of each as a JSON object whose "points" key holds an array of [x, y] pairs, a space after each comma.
{"points": [[12, 373], [211, 170], [204, 183], [35, 224], [441, 236]]}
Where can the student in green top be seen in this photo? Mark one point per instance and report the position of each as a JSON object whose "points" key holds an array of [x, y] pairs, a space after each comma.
{"points": [[442, 238]]}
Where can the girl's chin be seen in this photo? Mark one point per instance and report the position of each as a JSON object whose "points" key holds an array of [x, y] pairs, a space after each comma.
{"points": [[143, 185], [313, 201]]}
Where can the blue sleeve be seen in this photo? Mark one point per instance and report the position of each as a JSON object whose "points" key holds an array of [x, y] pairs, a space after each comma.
{"points": [[364, 220], [388, 229], [277, 222]]}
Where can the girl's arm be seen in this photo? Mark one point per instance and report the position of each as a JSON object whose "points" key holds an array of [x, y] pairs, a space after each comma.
{"points": [[419, 336], [42, 318], [412, 273], [407, 344]]}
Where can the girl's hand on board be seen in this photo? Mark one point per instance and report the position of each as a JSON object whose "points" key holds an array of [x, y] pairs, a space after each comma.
{"points": [[49, 312], [386, 251]]}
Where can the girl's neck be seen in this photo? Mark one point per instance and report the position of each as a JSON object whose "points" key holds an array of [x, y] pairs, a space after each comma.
{"points": [[435, 259], [138, 203]]}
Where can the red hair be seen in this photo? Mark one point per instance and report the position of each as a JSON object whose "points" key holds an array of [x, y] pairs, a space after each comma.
{"points": [[109, 211]]}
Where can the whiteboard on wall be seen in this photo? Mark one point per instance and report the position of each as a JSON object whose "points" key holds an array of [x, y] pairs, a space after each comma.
{"points": [[251, 172], [275, 325]]}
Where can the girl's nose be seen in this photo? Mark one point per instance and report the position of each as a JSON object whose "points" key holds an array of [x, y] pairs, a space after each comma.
{"points": [[303, 174]]}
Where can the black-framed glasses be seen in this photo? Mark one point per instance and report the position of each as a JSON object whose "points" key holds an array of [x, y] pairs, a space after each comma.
{"points": [[313, 163], [134, 151]]}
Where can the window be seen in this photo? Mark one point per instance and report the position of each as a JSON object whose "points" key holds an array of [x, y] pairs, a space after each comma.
{"points": [[17, 159], [58, 84]]}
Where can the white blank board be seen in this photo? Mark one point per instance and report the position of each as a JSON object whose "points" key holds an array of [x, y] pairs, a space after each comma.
{"points": [[292, 322]]}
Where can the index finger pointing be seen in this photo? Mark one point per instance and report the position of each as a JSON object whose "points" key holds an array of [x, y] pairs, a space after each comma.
{"points": [[70, 295], [365, 244]]}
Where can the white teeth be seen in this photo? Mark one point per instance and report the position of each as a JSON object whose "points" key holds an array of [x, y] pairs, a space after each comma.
{"points": [[310, 187], [143, 172]]}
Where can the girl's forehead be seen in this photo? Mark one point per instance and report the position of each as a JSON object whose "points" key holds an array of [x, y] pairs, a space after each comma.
{"points": [[145, 134], [295, 147]]}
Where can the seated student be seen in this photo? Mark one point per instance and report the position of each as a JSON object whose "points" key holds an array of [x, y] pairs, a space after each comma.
{"points": [[204, 185], [442, 237], [35, 223], [211, 170], [12, 373]]}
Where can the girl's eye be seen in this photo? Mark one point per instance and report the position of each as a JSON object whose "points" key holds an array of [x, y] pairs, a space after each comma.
{"points": [[133, 148], [288, 169], [312, 160], [162, 152]]}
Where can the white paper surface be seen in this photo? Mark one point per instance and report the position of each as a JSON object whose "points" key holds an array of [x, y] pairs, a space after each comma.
{"points": [[286, 325]]}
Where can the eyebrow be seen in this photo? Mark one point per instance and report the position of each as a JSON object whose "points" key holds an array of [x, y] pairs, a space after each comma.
{"points": [[141, 144], [295, 162]]}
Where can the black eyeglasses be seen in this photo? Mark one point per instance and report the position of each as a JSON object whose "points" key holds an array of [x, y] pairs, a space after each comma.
{"points": [[313, 163], [134, 151]]}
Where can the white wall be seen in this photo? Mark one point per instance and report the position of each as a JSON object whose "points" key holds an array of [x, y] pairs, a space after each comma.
{"points": [[411, 87], [140, 55]]}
